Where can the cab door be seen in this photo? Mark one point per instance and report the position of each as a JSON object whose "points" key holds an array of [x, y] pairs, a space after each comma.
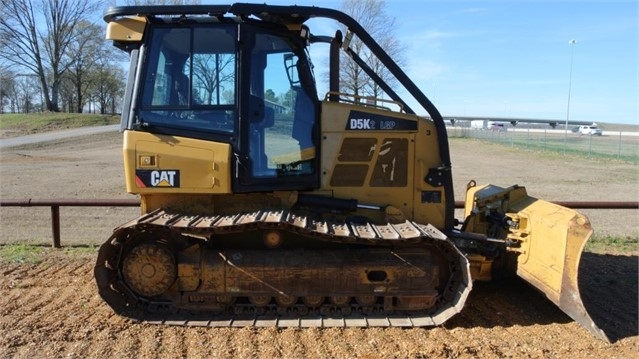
{"points": [[278, 109]]}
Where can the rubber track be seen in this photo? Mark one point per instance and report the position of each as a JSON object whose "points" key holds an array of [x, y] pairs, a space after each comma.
{"points": [[124, 302]]}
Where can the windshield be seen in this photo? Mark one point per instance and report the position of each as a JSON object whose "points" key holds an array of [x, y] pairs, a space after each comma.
{"points": [[190, 79]]}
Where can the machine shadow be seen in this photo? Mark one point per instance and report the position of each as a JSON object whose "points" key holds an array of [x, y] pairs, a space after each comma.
{"points": [[608, 288], [609, 291]]}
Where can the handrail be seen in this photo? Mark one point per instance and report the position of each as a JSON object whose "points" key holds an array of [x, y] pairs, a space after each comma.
{"points": [[55, 205]]}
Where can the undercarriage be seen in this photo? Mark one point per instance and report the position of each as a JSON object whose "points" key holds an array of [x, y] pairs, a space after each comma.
{"points": [[281, 269]]}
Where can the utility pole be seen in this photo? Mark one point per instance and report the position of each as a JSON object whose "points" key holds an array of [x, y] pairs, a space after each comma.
{"points": [[570, 43]]}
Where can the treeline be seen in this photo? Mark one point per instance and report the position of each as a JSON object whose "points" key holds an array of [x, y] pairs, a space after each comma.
{"points": [[53, 55], [54, 58]]}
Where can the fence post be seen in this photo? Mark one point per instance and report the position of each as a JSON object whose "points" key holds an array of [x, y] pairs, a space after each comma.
{"points": [[55, 225], [619, 146], [545, 131]]}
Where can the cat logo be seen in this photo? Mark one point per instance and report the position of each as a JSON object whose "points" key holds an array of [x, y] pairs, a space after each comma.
{"points": [[157, 178], [163, 178]]}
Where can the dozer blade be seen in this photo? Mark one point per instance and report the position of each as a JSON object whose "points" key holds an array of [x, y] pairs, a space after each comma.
{"points": [[547, 238], [552, 239]]}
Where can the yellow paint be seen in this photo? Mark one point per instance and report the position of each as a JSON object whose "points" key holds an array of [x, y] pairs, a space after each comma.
{"points": [[126, 29], [422, 148], [553, 248], [203, 165], [550, 237]]}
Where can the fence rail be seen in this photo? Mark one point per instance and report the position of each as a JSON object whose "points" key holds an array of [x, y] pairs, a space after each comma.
{"points": [[55, 205]]}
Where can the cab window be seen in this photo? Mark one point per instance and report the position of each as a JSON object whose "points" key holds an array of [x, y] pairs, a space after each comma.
{"points": [[190, 79]]}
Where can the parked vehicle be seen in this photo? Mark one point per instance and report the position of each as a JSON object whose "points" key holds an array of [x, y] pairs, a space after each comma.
{"points": [[590, 130], [498, 127]]}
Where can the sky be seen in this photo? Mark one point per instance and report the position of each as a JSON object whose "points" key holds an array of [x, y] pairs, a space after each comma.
{"points": [[498, 58], [513, 58]]}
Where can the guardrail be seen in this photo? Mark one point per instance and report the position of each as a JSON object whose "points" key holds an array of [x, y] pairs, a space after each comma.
{"points": [[55, 205]]}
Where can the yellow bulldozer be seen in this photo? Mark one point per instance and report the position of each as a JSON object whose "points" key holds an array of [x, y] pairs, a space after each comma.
{"points": [[266, 204]]}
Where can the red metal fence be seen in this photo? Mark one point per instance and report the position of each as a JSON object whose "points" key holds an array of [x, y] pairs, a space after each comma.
{"points": [[55, 205]]}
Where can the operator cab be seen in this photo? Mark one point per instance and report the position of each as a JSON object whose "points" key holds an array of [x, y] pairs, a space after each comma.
{"points": [[215, 79]]}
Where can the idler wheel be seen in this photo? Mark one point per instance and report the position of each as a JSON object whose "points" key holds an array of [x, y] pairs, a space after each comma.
{"points": [[149, 269], [225, 299], [340, 300], [285, 300], [260, 300], [313, 301]]}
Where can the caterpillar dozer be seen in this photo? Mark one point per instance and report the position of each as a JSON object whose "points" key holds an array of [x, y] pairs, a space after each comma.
{"points": [[266, 204]]}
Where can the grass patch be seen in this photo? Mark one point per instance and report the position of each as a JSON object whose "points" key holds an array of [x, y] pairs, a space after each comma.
{"points": [[36, 253], [29, 123], [21, 253], [613, 244], [603, 152]]}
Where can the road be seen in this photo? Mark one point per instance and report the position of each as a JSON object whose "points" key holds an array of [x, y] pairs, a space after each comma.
{"points": [[55, 135]]}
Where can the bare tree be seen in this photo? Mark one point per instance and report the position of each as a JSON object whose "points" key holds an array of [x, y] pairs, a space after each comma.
{"points": [[371, 14], [107, 86], [84, 53], [6, 87], [24, 92], [66, 96], [42, 48]]}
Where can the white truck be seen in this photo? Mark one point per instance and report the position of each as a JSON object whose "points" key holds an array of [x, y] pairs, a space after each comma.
{"points": [[487, 125], [479, 124]]}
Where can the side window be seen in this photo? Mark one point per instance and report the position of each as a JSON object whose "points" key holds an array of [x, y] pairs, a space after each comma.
{"points": [[165, 83], [281, 139]]}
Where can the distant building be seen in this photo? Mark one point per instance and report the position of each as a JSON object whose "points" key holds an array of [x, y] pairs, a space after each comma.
{"points": [[277, 107]]}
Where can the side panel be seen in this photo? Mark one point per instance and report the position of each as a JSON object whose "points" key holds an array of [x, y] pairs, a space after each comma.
{"points": [[351, 156], [382, 158], [157, 164]]}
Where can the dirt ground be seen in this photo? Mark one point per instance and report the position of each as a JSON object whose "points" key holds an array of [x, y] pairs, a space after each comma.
{"points": [[51, 308]]}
